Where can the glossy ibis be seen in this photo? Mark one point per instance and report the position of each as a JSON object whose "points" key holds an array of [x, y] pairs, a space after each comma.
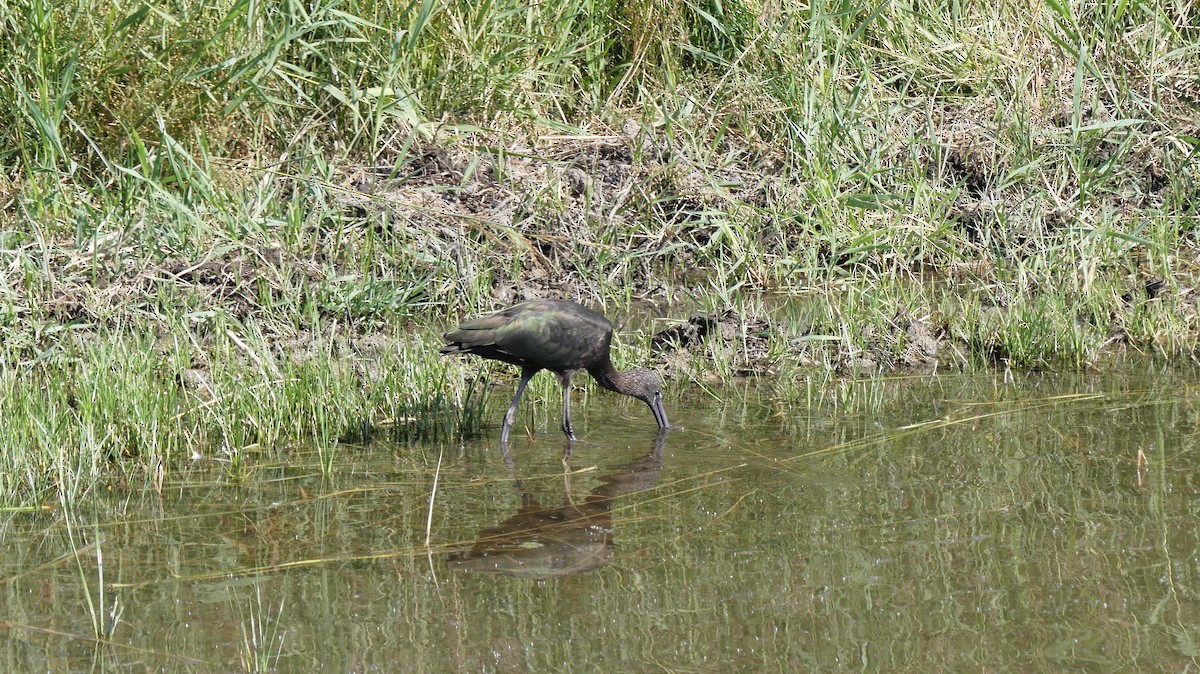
{"points": [[559, 336]]}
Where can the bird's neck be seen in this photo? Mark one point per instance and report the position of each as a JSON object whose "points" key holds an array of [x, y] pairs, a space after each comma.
{"points": [[609, 377]]}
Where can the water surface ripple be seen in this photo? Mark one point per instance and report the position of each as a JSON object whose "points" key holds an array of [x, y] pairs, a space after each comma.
{"points": [[958, 522]]}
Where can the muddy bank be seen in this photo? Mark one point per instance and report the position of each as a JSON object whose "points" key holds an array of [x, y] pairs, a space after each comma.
{"points": [[636, 216], [759, 347]]}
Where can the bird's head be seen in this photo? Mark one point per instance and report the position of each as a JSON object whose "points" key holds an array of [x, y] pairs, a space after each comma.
{"points": [[646, 385]]}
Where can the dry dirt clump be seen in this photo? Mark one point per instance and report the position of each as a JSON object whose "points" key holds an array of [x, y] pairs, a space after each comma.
{"points": [[908, 344], [234, 281], [748, 338], [559, 204]]}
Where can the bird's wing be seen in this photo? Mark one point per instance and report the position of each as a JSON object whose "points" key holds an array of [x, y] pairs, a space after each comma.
{"points": [[550, 342], [539, 333], [478, 332]]}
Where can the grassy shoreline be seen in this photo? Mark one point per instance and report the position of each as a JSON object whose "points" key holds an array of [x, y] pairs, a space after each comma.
{"points": [[233, 226]]}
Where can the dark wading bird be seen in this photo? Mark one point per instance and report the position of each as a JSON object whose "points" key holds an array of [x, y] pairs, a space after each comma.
{"points": [[559, 336]]}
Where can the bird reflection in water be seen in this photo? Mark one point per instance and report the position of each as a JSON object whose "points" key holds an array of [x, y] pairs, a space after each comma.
{"points": [[540, 542]]}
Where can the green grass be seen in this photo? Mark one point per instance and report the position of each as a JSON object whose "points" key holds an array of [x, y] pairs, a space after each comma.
{"points": [[117, 410], [295, 199], [262, 641]]}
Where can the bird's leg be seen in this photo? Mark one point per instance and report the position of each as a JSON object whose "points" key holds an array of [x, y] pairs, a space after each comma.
{"points": [[564, 378], [526, 374]]}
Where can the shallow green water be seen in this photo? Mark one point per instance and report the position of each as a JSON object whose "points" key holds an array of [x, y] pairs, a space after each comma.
{"points": [[956, 523]]}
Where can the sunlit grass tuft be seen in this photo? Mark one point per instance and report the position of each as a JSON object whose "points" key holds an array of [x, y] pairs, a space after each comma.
{"points": [[119, 409]]}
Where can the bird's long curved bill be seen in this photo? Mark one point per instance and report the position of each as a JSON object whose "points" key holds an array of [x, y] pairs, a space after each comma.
{"points": [[660, 414]]}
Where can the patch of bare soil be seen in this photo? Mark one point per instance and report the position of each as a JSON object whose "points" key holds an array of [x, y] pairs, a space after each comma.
{"points": [[748, 337], [561, 205], [909, 345], [235, 281]]}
